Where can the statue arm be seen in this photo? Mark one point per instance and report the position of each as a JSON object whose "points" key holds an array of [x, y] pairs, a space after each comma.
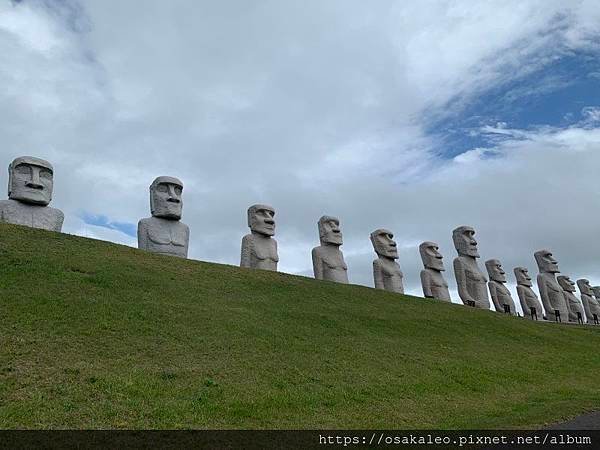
{"points": [[522, 300], [426, 284], [544, 294], [60, 219], [586, 307], [246, 252], [494, 294], [187, 239], [317, 264], [142, 235], [378, 275], [461, 282]]}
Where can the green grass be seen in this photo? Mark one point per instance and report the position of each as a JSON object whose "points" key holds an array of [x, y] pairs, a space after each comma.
{"points": [[97, 335]]}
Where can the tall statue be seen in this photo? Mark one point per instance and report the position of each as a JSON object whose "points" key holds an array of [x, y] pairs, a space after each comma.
{"points": [[532, 308], [164, 232], [30, 184], [550, 291], [433, 282], [470, 280], [591, 305], [503, 301], [259, 249], [573, 303], [328, 260], [386, 271]]}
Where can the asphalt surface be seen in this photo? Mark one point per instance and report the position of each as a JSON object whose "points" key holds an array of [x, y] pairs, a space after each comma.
{"points": [[589, 421]]}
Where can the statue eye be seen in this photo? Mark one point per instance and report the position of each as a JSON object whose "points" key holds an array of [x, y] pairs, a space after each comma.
{"points": [[45, 174], [177, 190], [161, 188], [22, 169]]}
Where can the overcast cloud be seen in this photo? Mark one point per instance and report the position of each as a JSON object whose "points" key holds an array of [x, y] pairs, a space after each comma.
{"points": [[316, 107]]}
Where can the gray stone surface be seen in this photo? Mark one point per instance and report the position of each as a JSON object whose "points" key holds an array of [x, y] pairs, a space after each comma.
{"points": [[595, 306], [433, 282], [591, 301], [470, 280], [30, 185], [386, 271], [527, 296], [328, 260], [500, 294], [259, 249], [163, 232], [573, 303], [550, 291]]}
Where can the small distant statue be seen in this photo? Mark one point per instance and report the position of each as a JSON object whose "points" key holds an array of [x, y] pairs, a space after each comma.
{"points": [[386, 271], [259, 249], [470, 280], [30, 185], [328, 260], [433, 282], [532, 308], [573, 304], [550, 291], [503, 301], [164, 232], [591, 305]]}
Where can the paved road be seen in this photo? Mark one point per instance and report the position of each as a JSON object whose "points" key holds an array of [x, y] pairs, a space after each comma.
{"points": [[590, 421]]}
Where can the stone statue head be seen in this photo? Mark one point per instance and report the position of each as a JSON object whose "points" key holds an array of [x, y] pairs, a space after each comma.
{"points": [[384, 244], [546, 262], [329, 231], [596, 291], [567, 284], [165, 198], [464, 242], [583, 285], [431, 256], [30, 180], [261, 219], [522, 276], [495, 270]]}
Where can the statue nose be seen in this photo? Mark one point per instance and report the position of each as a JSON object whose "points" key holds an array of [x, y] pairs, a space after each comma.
{"points": [[34, 185]]}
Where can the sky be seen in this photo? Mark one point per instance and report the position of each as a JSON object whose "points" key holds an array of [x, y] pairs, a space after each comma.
{"points": [[415, 116]]}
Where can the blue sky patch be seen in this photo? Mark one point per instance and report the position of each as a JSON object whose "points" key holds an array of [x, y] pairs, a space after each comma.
{"points": [[557, 96], [99, 220]]}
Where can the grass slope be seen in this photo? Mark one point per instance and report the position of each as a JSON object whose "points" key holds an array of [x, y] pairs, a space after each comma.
{"points": [[97, 335]]}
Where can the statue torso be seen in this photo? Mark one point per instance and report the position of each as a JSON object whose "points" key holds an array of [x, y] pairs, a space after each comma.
{"points": [[476, 281], [529, 300], [165, 236], [437, 284], [391, 273], [503, 297], [555, 300], [574, 306], [334, 266], [35, 216], [263, 252]]}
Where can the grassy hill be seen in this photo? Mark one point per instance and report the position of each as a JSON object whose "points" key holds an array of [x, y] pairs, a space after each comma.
{"points": [[97, 335]]}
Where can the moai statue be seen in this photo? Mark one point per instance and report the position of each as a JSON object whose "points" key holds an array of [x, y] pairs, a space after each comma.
{"points": [[550, 291], [532, 308], [163, 232], [470, 280], [573, 303], [432, 280], [591, 303], [386, 271], [328, 260], [503, 301], [30, 183], [259, 249]]}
